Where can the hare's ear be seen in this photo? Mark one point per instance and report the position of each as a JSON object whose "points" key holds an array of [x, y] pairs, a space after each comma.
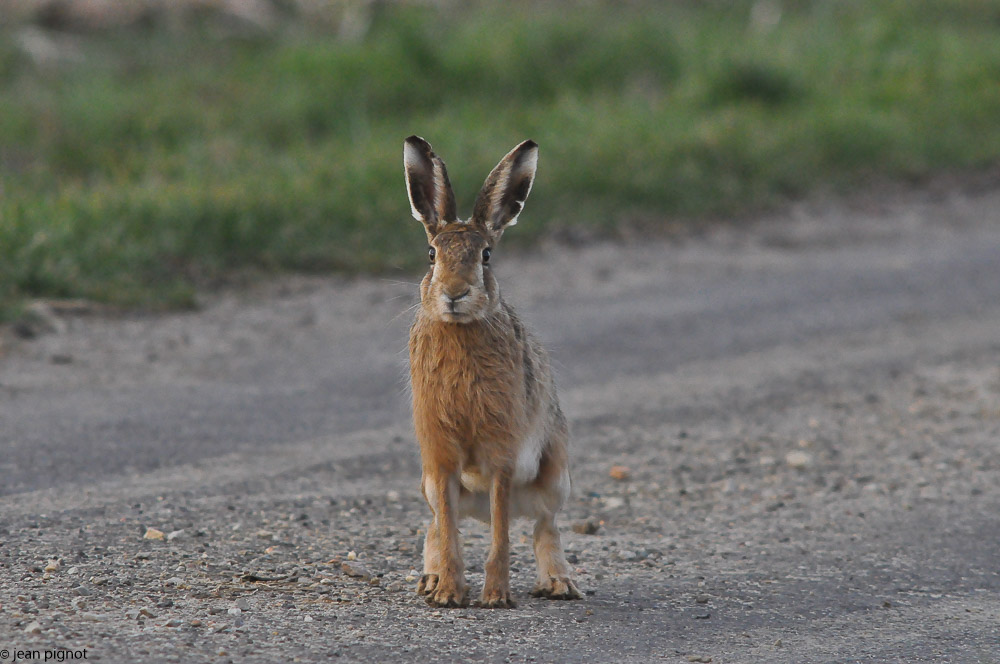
{"points": [[431, 198], [505, 190]]}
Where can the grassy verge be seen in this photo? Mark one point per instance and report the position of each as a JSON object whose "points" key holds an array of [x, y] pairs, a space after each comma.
{"points": [[157, 161]]}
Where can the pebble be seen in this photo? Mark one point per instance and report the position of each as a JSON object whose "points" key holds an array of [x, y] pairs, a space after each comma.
{"points": [[352, 555], [620, 473], [53, 566], [154, 534], [798, 459], [175, 534], [235, 611], [243, 604], [627, 555], [91, 617], [308, 619], [705, 659], [356, 570], [588, 527], [614, 502], [173, 622], [33, 628]]}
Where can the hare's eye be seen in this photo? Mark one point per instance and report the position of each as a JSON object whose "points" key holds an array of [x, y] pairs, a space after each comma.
{"points": [[431, 253], [486, 255]]}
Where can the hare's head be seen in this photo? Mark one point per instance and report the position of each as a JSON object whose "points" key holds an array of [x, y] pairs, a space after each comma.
{"points": [[459, 286]]}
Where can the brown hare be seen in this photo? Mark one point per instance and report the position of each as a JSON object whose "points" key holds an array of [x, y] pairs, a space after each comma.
{"points": [[493, 440]]}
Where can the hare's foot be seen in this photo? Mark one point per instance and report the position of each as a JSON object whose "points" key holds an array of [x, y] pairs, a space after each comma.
{"points": [[427, 584], [496, 597], [556, 587], [447, 594]]}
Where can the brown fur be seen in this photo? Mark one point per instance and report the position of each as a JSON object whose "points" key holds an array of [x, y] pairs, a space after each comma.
{"points": [[493, 440]]}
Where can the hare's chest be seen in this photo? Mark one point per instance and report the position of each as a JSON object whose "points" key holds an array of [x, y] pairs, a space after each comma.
{"points": [[466, 384]]}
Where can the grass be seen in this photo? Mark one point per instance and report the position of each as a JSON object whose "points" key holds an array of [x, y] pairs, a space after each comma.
{"points": [[159, 161]]}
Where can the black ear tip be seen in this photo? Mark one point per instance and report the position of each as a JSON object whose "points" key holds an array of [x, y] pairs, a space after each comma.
{"points": [[417, 142], [529, 144]]}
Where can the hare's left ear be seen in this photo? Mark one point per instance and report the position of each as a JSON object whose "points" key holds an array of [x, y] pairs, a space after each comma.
{"points": [[505, 190], [431, 198]]}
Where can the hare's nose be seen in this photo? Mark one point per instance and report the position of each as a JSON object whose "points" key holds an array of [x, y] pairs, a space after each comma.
{"points": [[456, 298]]}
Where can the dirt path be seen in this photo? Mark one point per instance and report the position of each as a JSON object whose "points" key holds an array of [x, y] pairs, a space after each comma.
{"points": [[810, 409]]}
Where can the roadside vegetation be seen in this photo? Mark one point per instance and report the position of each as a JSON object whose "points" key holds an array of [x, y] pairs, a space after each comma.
{"points": [[140, 163]]}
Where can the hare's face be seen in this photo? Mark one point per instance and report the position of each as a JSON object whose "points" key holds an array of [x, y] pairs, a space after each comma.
{"points": [[459, 286]]}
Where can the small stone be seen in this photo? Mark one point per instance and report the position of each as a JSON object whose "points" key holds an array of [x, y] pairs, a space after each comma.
{"points": [[79, 603], [798, 459], [147, 613], [175, 534], [410, 578], [132, 614], [392, 496], [588, 527], [265, 534], [374, 581], [173, 622], [154, 534], [243, 604], [195, 623], [627, 555], [235, 611], [33, 628], [91, 617], [704, 659], [356, 570], [53, 566], [351, 555], [174, 581], [614, 502], [620, 473], [308, 619], [778, 643]]}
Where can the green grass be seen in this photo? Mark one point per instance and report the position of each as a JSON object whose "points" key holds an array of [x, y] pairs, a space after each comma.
{"points": [[163, 161]]}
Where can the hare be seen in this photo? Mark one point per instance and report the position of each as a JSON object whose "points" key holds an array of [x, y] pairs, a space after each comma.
{"points": [[493, 440]]}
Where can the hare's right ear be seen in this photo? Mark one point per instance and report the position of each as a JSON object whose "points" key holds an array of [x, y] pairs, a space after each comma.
{"points": [[431, 198]]}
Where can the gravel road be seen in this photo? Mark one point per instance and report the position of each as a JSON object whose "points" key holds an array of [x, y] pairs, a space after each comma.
{"points": [[807, 410]]}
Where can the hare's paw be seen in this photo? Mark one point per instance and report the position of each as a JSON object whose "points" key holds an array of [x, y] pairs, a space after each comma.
{"points": [[447, 595], [557, 587], [496, 598], [427, 584]]}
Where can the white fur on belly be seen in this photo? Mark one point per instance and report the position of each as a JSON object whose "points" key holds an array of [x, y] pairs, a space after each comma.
{"points": [[526, 467]]}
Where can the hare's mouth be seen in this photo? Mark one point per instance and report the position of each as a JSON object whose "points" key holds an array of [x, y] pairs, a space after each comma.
{"points": [[456, 317]]}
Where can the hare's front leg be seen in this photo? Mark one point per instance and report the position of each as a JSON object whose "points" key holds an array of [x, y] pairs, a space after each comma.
{"points": [[496, 590], [443, 581]]}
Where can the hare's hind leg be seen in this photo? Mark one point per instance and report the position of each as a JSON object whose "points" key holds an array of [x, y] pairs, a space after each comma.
{"points": [[443, 581], [554, 580], [553, 486]]}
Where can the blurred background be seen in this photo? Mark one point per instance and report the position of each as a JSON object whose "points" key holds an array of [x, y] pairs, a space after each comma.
{"points": [[152, 148]]}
